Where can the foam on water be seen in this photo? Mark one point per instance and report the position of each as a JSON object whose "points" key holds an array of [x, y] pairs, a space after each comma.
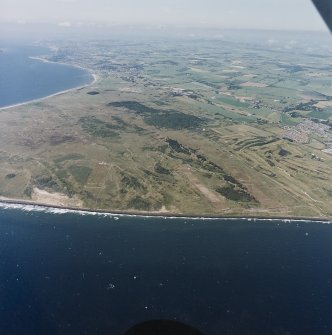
{"points": [[116, 216]]}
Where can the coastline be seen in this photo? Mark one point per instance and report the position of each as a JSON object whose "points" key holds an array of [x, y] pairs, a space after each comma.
{"points": [[94, 76], [164, 215]]}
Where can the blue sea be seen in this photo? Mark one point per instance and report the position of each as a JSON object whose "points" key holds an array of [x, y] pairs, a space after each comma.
{"points": [[67, 272], [24, 79], [64, 272]]}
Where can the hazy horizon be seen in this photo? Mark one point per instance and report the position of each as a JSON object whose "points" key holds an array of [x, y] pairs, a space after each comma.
{"points": [[299, 15]]}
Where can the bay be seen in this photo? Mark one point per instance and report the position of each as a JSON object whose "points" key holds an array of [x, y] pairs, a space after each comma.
{"points": [[63, 272], [23, 78]]}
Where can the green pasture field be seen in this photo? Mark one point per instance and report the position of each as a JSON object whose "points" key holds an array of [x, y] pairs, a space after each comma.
{"points": [[169, 127]]}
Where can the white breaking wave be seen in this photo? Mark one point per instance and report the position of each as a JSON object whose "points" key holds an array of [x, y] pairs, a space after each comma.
{"points": [[116, 216]]}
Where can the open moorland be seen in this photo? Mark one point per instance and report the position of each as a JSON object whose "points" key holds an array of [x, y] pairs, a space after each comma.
{"points": [[197, 127]]}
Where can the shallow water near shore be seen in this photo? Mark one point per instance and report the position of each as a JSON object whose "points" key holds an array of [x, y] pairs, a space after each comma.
{"points": [[25, 79], [68, 273]]}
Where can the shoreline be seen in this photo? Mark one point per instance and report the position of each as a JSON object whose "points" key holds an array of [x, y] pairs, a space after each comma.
{"points": [[94, 76], [164, 215]]}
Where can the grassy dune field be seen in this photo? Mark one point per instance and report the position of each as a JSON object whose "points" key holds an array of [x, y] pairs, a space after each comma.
{"points": [[208, 129]]}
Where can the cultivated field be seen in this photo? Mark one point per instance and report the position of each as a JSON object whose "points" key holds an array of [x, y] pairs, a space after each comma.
{"points": [[186, 127]]}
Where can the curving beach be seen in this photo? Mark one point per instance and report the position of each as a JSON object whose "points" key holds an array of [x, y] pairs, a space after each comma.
{"points": [[93, 80]]}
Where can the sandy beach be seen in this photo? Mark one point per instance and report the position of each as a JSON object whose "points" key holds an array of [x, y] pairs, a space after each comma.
{"points": [[160, 214], [94, 76]]}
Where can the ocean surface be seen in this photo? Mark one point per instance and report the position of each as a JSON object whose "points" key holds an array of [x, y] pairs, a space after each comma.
{"points": [[23, 79], [67, 273]]}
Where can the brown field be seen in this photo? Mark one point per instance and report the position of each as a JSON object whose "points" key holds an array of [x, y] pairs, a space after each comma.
{"points": [[144, 144]]}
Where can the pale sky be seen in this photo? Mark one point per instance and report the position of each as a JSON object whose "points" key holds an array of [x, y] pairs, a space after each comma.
{"points": [[247, 14]]}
